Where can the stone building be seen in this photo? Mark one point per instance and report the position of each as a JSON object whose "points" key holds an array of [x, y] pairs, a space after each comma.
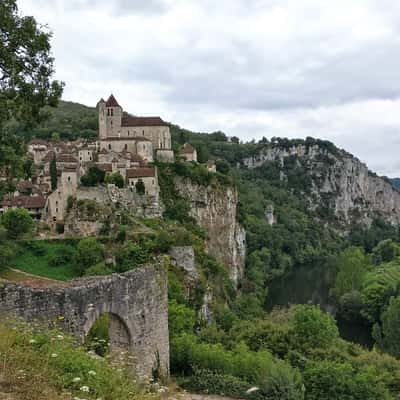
{"points": [[145, 136], [147, 175], [188, 152]]}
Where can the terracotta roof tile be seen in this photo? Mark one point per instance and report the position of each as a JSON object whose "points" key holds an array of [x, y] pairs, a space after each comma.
{"points": [[36, 202], [106, 167], [131, 120], [141, 173], [66, 158], [112, 102]]}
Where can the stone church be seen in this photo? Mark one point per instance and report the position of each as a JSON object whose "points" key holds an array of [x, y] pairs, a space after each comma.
{"points": [[148, 137]]}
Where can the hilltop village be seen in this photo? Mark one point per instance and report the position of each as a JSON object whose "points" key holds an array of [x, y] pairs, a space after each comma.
{"points": [[118, 167]]}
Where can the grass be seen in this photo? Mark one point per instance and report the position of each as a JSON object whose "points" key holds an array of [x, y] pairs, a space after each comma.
{"points": [[38, 262], [36, 363]]}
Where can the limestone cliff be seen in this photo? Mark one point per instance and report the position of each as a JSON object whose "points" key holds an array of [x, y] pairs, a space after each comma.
{"points": [[334, 181], [216, 211]]}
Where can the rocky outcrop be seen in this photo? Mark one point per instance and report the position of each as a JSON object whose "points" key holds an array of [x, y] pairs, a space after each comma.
{"points": [[339, 182], [215, 210]]}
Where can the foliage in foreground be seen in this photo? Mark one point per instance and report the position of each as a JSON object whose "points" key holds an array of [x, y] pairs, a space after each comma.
{"points": [[37, 363]]}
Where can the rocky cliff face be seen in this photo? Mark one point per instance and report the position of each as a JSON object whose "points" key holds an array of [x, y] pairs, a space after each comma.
{"points": [[337, 181], [216, 210]]}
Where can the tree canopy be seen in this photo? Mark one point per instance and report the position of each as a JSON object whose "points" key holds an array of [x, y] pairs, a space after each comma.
{"points": [[26, 68]]}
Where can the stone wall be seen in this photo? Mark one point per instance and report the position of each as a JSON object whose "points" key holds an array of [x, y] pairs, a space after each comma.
{"points": [[136, 300]]}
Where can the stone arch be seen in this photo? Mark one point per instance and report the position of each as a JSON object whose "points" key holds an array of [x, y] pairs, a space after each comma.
{"points": [[120, 335], [137, 300]]}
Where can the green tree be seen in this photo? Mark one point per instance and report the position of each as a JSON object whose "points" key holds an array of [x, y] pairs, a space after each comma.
{"points": [[89, 252], [386, 251], [181, 319], [7, 251], [18, 222], [131, 256], [140, 188], [314, 328], [353, 265], [53, 173], [387, 335], [26, 67], [115, 179], [93, 176]]}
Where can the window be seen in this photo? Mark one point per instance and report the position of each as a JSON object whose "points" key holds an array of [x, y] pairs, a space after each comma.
{"points": [[143, 132], [109, 146], [144, 147], [69, 179], [126, 146], [112, 112], [56, 210], [56, 203], [108, 111]]}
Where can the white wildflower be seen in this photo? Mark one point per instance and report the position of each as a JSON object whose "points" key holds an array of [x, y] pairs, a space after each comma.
{"points": [[93, 373], [54, 355], [32, 341], [60, 337], [252, 389], [77, 379], [84, 389]]}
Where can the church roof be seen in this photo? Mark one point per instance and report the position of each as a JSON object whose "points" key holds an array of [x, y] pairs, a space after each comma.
{"points": [[112, 102], [125, 139], [131, 120]]}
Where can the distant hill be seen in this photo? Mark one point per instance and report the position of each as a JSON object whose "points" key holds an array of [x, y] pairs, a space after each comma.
{"points": [[70, 121]]}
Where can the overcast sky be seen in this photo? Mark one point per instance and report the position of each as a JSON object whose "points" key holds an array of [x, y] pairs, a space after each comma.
{"points": [[251, 68]]}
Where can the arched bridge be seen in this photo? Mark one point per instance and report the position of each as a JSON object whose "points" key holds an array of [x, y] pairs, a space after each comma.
{"points": [[136, 301]]}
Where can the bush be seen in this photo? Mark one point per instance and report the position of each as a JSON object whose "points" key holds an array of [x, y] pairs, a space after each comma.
{"points": [[116, 179], [206, 381], [62, 255], [18, 222], [89, 252], [7, 252], [314, 328], [327, 380], [93, 177], [131, 256], [181, 319], [276, 379], [98, 270]]}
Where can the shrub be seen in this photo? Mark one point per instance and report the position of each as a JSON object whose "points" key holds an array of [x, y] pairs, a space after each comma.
{"points": [[18, 222], [206, 381], [314, 328], [181, 319], [276, 379], [93, 177], [98, 270], [116, 179], [7, 252], [328, 380], [89, 252], [62, 255], [131, 256]]}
